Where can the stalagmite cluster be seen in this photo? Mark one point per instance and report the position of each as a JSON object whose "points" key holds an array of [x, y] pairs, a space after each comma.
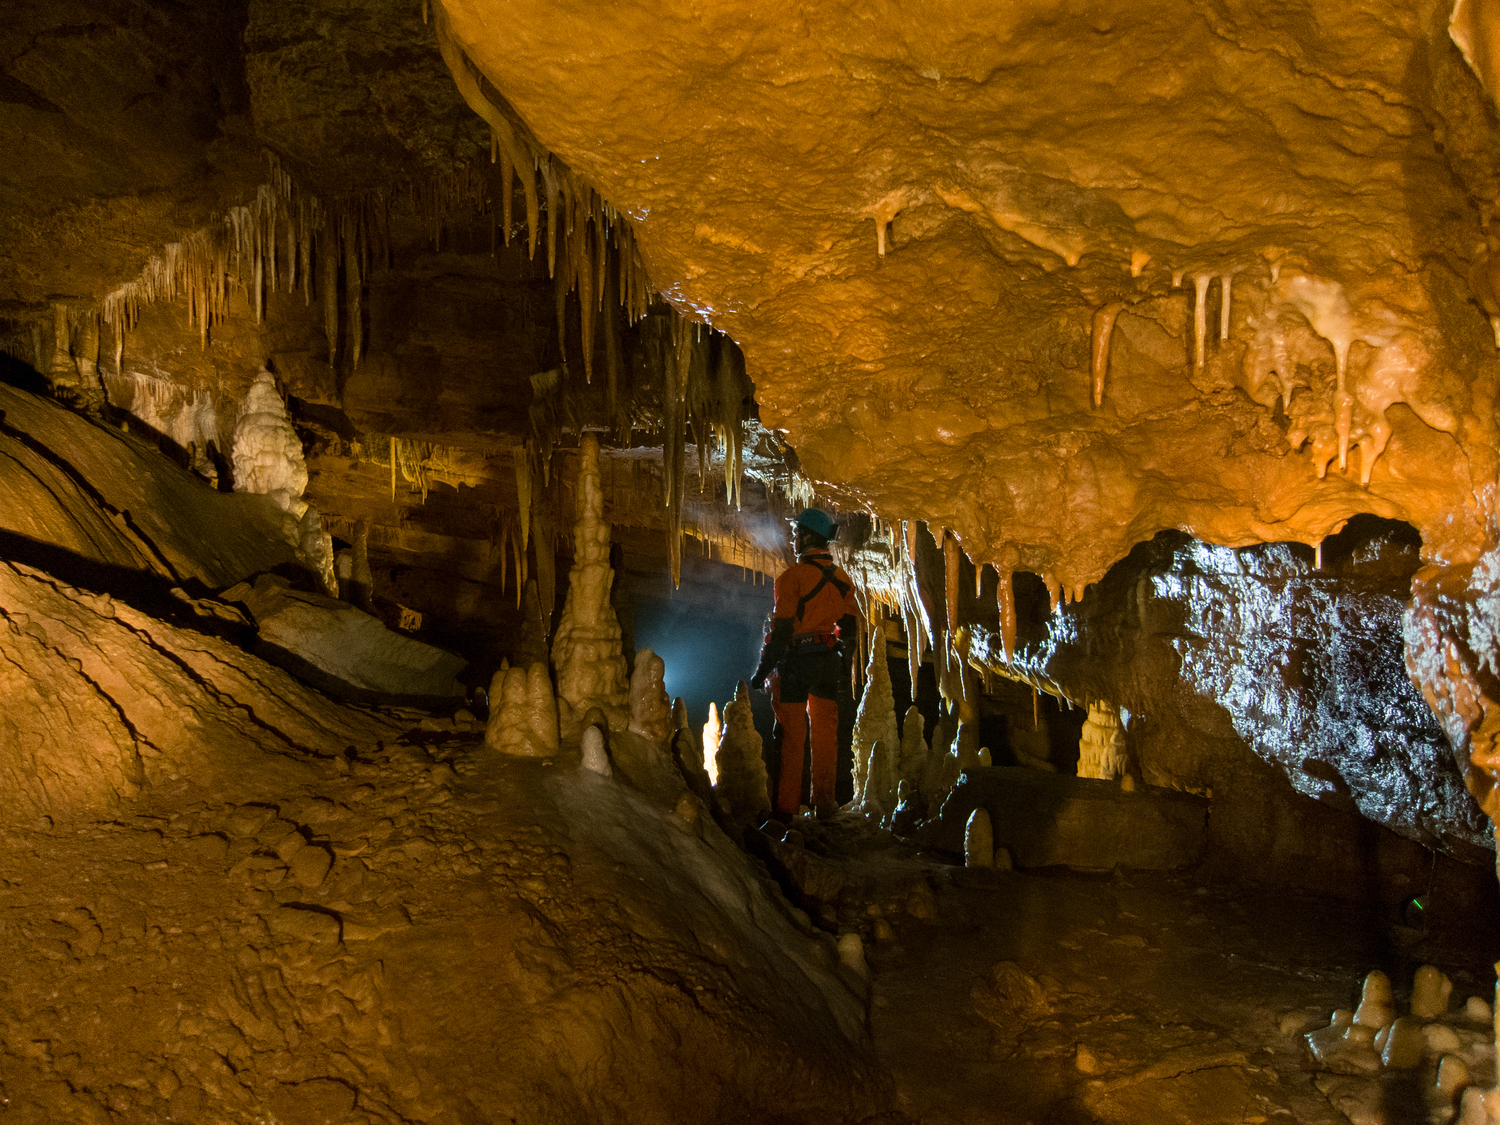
{"points": [[586, 650], [1453, 1051], [740, 760]]}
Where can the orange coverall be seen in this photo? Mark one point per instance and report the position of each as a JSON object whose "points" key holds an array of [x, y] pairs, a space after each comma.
{"points": [[808, 672]]}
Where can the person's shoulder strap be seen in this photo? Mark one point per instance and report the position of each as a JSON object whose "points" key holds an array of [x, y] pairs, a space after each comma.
{"points": [[828, 576]]}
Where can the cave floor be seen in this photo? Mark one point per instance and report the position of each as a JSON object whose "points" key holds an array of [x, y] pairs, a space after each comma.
{"points": [[1048, 997], [1142, 997]]}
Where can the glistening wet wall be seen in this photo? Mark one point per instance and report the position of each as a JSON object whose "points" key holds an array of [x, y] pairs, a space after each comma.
{"points": [[1221, 657]]}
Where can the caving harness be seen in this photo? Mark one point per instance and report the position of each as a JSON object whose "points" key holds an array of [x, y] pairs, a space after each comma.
{"points": [[804, 644]]}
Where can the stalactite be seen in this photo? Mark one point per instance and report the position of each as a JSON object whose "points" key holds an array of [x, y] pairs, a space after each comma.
{"points": [[585, 278], [952, 555], [521, 460], [612, 355], [1005, 596], [1104, 327], [507, 191], [1226, 284], [675, 387], [1200, 321], [354, 286], [329, 280]]}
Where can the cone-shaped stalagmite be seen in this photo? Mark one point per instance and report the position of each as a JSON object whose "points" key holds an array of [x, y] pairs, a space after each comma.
{"points": [[875, 722], [741, 761], [523, 713], [650, 709], [586, 651]]}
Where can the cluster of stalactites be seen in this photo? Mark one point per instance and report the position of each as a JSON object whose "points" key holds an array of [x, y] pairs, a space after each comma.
{"points": [[284, 239], [592, 251]]}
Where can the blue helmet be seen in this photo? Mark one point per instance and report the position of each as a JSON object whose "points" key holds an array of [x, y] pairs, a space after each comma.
{"points": [[818, 522]]}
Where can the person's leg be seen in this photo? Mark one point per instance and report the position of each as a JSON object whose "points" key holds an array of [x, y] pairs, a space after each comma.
{"points": [[824, 713], [791, 716]]}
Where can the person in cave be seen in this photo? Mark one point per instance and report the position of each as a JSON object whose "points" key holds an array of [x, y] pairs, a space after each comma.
{"points": [[808, 647]]}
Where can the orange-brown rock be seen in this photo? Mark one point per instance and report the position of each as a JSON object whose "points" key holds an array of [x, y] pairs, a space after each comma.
{"points": [[909, 218]]}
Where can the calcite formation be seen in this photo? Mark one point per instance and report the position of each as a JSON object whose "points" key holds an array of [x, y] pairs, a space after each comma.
{"points": [[1101, 750], [740, 760], [650, 710], [267, 454], [523, 713], [586, 650], [875, 722]]}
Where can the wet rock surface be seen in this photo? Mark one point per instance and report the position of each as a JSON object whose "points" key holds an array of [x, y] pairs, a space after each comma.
{"points": [[1301, 665]]}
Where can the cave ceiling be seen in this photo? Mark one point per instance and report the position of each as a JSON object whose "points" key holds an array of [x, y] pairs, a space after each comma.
{"points": [[938, 233], [909, 216]]}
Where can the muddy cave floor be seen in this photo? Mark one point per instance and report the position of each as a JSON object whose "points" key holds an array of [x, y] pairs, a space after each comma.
{"points": [[1006, 997]]}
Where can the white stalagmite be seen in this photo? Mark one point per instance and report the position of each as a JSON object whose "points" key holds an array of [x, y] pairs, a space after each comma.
{"points": [[740, 760], [1101, 749], [881, 780], [267, 454], [595, 757], [711, 734], [979, 840], [523, 713], [587, 651], [267, 458], [913, 757], [875, 722], [650, 709]]}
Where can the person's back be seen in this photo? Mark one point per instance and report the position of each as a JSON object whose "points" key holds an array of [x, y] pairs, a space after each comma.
{"points": [[811, 634]]}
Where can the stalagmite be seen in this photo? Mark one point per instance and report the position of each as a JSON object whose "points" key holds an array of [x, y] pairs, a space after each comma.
{"points": [[1452, 1076], [1401, 1044], [881, 780], [852, 952], [1226, 284], [979, 840], [266, 453], [595, 757], [587, 651], [1430, 992], [1375, 1008], [1104, 327], [712, 732], [740, 760], [875, 722], [523, 713], [1101, 748], [650, 709], [1200, 321], [912, 760]]}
